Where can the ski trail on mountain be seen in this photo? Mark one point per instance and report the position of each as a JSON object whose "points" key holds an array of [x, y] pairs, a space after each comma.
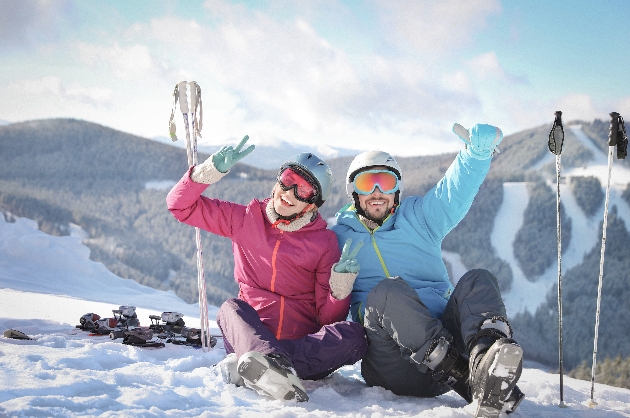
{"points": [[598, 167], [523, 294], [619, 177]]}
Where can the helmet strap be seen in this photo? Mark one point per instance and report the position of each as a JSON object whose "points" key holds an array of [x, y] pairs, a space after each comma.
{"points": [[286, 220]]}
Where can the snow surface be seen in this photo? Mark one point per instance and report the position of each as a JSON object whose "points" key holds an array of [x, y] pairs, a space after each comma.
{"points": [[47, 283], [159, 185], [585, 231]]}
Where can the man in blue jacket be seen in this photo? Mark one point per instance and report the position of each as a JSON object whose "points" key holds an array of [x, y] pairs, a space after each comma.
{"points": [[426, 337]]}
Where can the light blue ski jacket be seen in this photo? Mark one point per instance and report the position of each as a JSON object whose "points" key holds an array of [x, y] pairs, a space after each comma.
{"points": [[409, 243]]}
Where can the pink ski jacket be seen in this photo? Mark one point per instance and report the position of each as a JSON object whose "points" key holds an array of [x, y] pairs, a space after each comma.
{"points": [[283, 275]]}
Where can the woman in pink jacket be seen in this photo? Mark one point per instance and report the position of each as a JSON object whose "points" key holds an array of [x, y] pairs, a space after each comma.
{"points": [[289, 318]]}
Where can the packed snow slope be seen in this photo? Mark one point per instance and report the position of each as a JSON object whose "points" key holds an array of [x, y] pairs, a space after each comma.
{"points": [[47, 283]]}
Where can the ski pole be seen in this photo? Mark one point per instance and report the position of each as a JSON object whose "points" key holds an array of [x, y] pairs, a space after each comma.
{"points": [[556, 139], [616, 137], [195, 104], [181, 94]]}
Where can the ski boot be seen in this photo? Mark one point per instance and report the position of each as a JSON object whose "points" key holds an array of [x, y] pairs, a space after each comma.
{"points": [[448, 367], [229, 370], [496, 363], [271, 375], [513, 400]]}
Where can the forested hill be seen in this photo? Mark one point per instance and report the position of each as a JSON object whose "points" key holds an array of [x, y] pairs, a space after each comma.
{"points": [[113, 185]]}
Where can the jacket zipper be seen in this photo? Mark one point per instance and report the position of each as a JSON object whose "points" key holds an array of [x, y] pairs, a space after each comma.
{"points": [[373, 239], [273, 283], [380, 258]]}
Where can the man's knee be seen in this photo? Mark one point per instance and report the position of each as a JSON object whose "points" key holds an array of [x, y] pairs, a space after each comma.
{"points": [[377, 298], [477, 278]]}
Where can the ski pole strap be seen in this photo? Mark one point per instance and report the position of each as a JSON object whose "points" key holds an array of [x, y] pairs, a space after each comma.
{"points": [[196, 106], [556, 135], [180, 94], [617, 135], [172, 128]]}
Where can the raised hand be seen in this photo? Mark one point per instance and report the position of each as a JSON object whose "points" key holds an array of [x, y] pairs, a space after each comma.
{"points": [[226, 157], [481, 140], [348, 262]]}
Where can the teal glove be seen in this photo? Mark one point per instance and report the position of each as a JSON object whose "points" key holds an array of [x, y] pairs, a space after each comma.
{"points": [[481, 140], [345, 271], [225, 158], [348, 262]]}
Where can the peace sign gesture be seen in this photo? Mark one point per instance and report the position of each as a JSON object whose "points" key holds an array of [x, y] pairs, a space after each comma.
{"points": [[225, 158], [348, 262]]}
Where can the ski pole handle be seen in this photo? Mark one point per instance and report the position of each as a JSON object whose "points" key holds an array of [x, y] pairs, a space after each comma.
{"points": [[617, 135], [556, 136], [622, 140], [183, 96], [613, 133], [193, 95]]}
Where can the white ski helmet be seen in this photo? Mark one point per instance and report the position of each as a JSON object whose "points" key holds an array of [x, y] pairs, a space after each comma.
{"points": [[372, 159], [317, 169]]}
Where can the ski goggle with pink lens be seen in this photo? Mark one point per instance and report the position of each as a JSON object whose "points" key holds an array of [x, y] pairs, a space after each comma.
{"points": [[303, 188], [366, 181]]}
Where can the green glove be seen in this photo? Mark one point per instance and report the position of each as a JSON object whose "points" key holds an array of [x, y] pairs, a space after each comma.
{"points": [[348, 262], [226, 157]]}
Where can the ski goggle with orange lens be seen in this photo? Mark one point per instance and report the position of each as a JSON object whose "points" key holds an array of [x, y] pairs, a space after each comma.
{"points": [[303, 188], [366, 181]]}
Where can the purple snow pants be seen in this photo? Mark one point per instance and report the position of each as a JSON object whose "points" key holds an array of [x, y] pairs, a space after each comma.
{"points": [[314, 356]]}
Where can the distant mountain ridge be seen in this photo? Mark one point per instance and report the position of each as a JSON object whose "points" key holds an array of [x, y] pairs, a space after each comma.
{"points": [[63, 171], [269, 156]]}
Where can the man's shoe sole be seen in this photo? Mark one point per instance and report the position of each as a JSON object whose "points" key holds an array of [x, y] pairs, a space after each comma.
{"points": [[503, 374]]}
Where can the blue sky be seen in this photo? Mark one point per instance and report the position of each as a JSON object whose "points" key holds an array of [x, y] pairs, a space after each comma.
{"points": [[391, 75]]}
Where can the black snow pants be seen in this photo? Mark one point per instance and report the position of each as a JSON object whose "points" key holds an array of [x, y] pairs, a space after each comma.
{"points": [[400, 330]]}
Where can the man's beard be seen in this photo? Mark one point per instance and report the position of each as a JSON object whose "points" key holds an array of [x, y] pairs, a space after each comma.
{"points": [[376, 217]]}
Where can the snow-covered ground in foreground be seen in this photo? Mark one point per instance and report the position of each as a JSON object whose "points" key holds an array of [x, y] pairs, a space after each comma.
{"points": [[585, 231], [47, 283]]}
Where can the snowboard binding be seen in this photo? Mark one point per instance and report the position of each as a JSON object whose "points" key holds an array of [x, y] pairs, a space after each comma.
{"points": [[168, 324], [192, 337], [141, 337], [124, 317], [88, 321]]}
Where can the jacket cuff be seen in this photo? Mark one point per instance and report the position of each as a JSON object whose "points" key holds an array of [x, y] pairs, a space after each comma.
{"points": [[206, 173], [341, 283]]}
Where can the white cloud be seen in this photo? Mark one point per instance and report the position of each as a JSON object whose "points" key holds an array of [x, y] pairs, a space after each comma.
{"points": [[175, 33], [134, 62], [26, 22], [436, 27], [275, 72], [53, 88], [488, 67], [286, 80], [579, 107], [623, 106]]}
